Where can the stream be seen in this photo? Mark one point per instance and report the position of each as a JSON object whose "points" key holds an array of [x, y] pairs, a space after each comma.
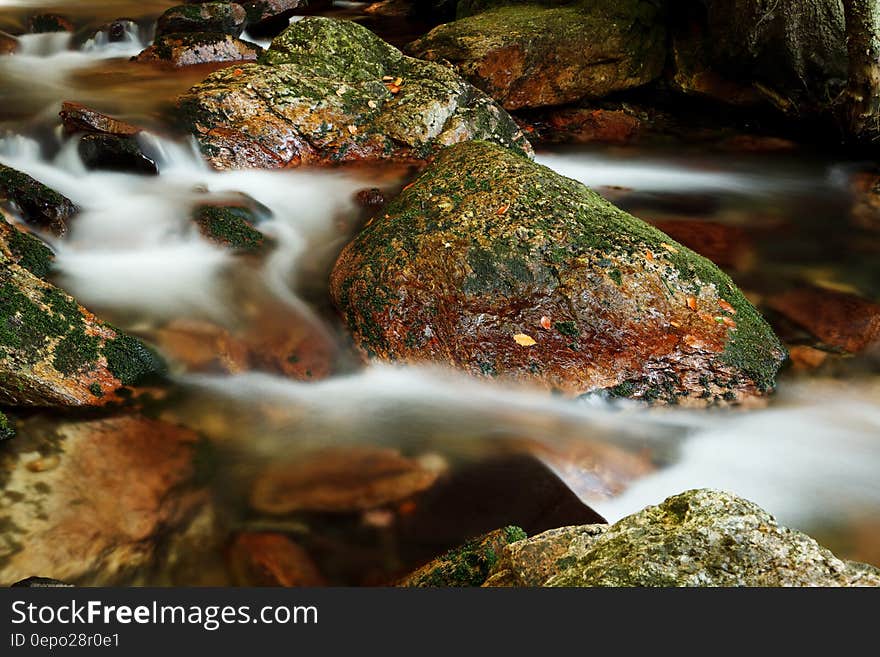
{"points": [[133, 257]]}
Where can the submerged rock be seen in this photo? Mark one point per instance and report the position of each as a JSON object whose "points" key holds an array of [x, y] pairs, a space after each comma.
{"points": [[39, 205], [53, 352], [840, 320], [93, 502], [503, 267], [468, 565], [267, 559], [225, 17], [192, 48], [699, 538], [339, 479], [330, 91], [527, 55], [582, 126]]}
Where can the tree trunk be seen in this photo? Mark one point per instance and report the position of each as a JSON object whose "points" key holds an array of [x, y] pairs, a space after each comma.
{"points": [[863, 45]]}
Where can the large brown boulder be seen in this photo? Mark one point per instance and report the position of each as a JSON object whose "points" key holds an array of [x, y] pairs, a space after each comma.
{"points": [[330, 91], [528, 55], [191, 48], [225, 17], [502, 267]]}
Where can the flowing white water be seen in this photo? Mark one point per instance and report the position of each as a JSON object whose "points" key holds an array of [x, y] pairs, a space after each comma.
{"points": [[133, 246]]}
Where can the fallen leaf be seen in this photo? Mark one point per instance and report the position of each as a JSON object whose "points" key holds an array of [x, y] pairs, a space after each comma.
{"points": [[729, 322], [353, 129], [545, 323], [238, 72], [503, 209], [649, 255], [398, 82], [372, 104], [394, 89], [726, 306], [669, 247], [387, 78], [341, 91], [524, 340], [406, 187], [692, 303]]}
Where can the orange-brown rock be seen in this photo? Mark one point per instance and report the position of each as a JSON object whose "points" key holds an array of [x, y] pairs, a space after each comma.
{"points": [[90, 502], [76, 117], [504, 268], [729, 247], [266, 559], [838, 319], [583, 126], [339, 479]]}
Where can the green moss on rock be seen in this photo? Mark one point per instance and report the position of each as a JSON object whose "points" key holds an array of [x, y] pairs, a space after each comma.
{"points": [[25, 249], [496, 258], [229, 226]]}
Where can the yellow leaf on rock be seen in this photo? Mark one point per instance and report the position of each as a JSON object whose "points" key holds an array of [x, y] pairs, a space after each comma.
{"points": [[524, 340]]}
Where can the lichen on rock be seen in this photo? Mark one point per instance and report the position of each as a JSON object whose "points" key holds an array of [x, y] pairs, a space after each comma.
{"points": [[330, 91], [53, 352], [698, 538], [503, 267]]}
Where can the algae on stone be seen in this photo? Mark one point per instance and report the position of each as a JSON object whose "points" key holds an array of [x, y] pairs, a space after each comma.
{"points": [[486, 243], [53, 352], [698, 538]]}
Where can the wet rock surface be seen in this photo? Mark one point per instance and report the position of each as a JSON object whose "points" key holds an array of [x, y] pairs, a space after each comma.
{"points": [[330, 91], [54, 352], [527, 55], [191, 48], [39, 205], [76, 117], [229, 226], [225, 17], [71, 508], [506, 269], [23, 249], [699, 538], [115, 153]]}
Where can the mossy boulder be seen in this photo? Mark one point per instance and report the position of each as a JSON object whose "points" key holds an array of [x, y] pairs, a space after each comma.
{"points": [[465, 8], [330, 91], [229, 226], [39, 205], [24, 249], [503, 267], [225, 17], [699, 538], [53, 352], [468, 565], [528, 55], [191, 48]]}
